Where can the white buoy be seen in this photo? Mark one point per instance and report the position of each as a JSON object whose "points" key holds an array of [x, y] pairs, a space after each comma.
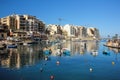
{"points": [[91, 69], [57, 62], [46, 58]]}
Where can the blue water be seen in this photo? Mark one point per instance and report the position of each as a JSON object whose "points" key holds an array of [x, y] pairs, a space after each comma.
{"points": [[74, 67]]}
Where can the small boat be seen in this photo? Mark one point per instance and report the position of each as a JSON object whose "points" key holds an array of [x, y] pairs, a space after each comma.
{"points": [[30, 42], [66, 52], [47, 58], [47, 52], [12, 46], [106, 53], [117, 47], [94, 53], [25, 44], [3, 46], [58, 52]]}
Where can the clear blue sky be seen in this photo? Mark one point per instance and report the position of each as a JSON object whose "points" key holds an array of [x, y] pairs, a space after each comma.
{"points": [[102, 14]]}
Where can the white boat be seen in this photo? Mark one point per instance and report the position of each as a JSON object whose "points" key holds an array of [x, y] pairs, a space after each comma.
{"points": [[25, 44], [94, 53]]}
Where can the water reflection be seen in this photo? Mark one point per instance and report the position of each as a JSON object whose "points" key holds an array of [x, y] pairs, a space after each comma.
{"points": [[76, 47], [29, 55], [114, 50], [20, 57]]}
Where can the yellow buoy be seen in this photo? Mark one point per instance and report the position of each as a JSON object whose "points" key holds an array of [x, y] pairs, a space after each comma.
{"points": [[113, 62]]}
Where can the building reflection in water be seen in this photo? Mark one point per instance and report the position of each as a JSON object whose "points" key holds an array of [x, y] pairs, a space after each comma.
{"points": [[116, 52], [20, 57], [76, 47], [92, 46], [29, 55]]}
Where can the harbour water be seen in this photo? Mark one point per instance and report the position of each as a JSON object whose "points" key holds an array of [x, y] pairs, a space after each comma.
{"points": [[29, 63]]}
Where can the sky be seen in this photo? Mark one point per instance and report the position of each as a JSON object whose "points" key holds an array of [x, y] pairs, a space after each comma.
{"points": [[101, 14]]}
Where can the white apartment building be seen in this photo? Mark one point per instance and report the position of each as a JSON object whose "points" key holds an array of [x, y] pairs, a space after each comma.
{"points": [[54, 29], [74, 31], [71, 30]]}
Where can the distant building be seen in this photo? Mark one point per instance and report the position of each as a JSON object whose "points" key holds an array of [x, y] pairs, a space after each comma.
{"points": [[93, 32], [71, 30], [54, 29], [82, 32]]}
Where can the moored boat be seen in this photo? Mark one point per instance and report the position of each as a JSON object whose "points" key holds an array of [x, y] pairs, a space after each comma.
{"points": [[66, 52], [12, 46], [106, 52], [47, 52], [94, 53], [118, 47], [1, 47]]}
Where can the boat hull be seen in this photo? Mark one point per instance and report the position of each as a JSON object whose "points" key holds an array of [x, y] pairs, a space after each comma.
{"points": [[118, 47]]}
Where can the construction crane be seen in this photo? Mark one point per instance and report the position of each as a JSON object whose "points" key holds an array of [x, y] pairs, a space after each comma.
{"points": [[60, 19]]}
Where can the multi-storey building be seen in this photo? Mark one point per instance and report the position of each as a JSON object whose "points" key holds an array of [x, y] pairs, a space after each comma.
{"points": [[54, 29], [0, 21], [82, 32], [24, 23], [20, 22], [9, 21], [93, 32], [3, 32], [71, 30]]}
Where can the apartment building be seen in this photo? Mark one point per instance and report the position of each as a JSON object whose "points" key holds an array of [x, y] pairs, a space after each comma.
{"points": [[3, 32], [23, 23], [54, 29], [9, 21], [82, 32], [93, 32], [71, 30]]}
